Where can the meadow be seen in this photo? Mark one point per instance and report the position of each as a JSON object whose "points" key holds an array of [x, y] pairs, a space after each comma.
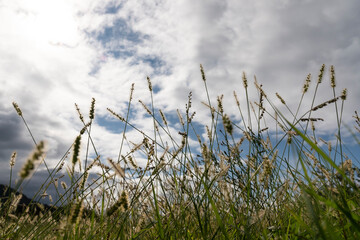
{"points": [[265, 177]]}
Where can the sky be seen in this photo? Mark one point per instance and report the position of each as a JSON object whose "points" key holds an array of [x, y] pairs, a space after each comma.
{"points": [[57, 53]]}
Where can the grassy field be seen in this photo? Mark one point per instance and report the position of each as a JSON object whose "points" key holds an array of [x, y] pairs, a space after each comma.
{"points": [[266, 178]]}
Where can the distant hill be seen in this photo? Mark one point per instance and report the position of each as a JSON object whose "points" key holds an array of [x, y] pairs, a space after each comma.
{"points": [[34, 205], [5, 192], [24, 202]]}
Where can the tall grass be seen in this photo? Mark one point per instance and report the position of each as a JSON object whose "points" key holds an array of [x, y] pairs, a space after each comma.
{"points": [[267, 176]]}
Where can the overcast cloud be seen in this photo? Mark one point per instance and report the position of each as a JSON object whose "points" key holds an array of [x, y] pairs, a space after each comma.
{"points": [[57, 53]]}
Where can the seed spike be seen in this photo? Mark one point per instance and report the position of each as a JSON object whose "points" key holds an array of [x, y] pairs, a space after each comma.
{"points": [[332, 77], [202, 73]]}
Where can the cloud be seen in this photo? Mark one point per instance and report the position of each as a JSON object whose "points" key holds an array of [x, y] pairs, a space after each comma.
{"points": [[11, 138]]}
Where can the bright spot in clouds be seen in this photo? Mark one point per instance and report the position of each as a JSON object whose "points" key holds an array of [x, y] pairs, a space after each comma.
{"points": [[42, 22]]}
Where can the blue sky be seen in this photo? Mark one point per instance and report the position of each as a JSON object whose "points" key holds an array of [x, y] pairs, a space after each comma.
{"points": [[57, 53]]}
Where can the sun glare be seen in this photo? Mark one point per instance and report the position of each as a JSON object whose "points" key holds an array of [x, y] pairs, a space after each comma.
{"points": [[48, 22]]}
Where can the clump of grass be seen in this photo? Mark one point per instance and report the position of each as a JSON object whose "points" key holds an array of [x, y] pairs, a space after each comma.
{"points": [[246, 179]]}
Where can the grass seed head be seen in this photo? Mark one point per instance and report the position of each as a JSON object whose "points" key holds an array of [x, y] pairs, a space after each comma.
{"points": [[163, 117], [162, 157], [332, 77], [56, 182], [15, 202], [60, 166], [12, 216], [149, 84], [76, 150], [220, 105], [202, 73], [17, 108], [259, 88], [236, 99], [344, 94], [122, 204], [76, 212], [35, 158], [321, 73], [289, 140], [325, 104], [188, 105], [145, 107], [329, 147], [79, 113], [136, 147], [191, 117], [307, 83], [312, 126], [92, 109], [84, 179], [124, 200], [12, 159], [63, 185], [244, 79], [227, 124], [180, 117], [131, 91], [267, 169], [117, 168], [346, 165], [82, 131], [132, 162], [116, 115], [281, 99]]}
